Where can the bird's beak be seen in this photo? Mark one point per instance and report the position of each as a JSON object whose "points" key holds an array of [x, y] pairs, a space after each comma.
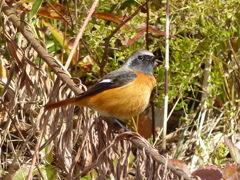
{"points": [[156, 57]]}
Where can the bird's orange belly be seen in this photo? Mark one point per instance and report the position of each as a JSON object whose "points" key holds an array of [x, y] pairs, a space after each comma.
{"points": [[123, 102]]}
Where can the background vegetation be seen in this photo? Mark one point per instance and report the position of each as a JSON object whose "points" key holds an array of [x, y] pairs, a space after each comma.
{"points": [[204, 87]]}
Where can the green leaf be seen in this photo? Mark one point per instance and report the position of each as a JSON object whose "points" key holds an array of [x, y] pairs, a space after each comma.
{"points": [[22, 172], [35, 8], [49, 172], [127, 3], [3, 172]]}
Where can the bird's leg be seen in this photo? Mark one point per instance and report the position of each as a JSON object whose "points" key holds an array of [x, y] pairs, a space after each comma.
{"points": [[121, 124]]}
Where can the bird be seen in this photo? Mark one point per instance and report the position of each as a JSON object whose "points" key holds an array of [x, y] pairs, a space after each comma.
{"points": [[121, 94]]}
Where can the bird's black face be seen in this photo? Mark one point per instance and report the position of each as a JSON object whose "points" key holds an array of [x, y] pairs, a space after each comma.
{"points": [[143, 64]]}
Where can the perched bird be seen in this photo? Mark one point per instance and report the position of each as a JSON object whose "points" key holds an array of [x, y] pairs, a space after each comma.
{"points": [[123, 93]]}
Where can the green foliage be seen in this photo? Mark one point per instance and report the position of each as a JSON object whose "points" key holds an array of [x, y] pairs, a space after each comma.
{"points": [[219, 154], [36, 6], [209, 28]]}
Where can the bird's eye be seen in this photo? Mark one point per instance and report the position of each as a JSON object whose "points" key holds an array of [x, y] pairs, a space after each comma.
{"points": [[140, 58]]}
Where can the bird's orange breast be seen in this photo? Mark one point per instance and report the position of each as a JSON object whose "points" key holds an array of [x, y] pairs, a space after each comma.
{"points": [[122, 102]]}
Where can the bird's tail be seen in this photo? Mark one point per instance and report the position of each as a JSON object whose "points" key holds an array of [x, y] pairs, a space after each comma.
{"points": [[58, 104]]}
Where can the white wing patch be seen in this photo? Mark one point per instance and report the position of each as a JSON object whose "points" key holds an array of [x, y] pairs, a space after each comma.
{"points": [[106, 81]]}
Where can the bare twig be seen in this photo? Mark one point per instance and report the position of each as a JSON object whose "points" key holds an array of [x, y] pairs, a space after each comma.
{"points": [[79, 36], [147, 26], [37, 147], [166, 79], [63, 17]]}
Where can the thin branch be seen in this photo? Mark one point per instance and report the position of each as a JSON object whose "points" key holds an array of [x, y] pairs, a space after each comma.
{"points": [[37, 146], [79, 36], [165, 116], [147, 26], [157, 157], [63, 17]]}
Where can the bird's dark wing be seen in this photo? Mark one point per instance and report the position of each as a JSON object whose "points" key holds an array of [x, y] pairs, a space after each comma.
{"points": [[112, 80]]}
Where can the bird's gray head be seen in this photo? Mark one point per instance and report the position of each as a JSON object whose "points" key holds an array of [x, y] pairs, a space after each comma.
{"points": [[141, 61]]}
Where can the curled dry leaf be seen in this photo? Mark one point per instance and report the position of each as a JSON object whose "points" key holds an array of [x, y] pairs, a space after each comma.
{"points": [[234, 150]]}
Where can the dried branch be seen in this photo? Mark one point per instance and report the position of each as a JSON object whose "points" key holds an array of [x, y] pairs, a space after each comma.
{"points": [[157, 157], [79, 36], [42, 52]]}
